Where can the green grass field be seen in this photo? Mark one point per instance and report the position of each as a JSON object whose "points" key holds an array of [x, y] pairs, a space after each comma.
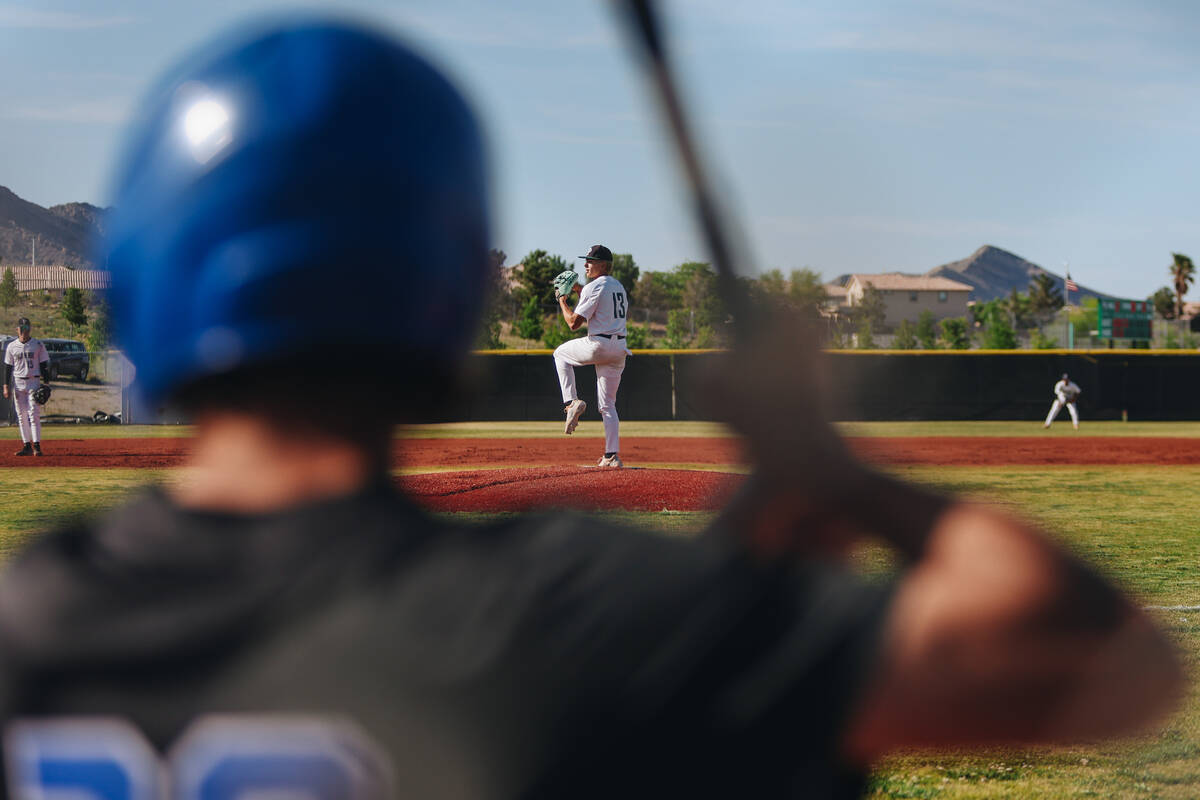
{"points": [[1134, 523]]}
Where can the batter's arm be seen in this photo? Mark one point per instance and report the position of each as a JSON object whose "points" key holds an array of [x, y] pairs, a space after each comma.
{"points": [[996, 635]]}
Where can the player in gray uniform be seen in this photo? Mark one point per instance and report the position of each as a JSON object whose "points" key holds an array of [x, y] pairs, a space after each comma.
{"points": [[1065, 394], [25, 362], [603, 305]]}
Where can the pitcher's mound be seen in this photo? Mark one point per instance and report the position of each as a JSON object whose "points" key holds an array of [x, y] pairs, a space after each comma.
{"points": [[590, 488]]}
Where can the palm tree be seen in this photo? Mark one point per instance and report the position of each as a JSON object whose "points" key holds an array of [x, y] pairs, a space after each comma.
{"points": [[1183, 272]]}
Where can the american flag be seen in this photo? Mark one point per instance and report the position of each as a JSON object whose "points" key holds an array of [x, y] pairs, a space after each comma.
{"points": [[1072, 286]]}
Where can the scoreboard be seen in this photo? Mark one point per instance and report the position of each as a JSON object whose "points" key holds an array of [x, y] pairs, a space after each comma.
{"points": [[1125, 319]]}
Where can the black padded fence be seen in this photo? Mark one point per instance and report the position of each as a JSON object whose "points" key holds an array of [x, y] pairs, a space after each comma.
{"points": [[993, 386], [885, 385], [868, 385], [524, 386]]}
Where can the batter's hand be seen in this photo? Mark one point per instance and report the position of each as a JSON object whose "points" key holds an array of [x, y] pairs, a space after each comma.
{"points": [[774, 390]]}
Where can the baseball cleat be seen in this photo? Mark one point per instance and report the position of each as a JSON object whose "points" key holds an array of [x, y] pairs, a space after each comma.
{"points": [[37, 448], [27, 450], [613, 461], [574, 410]]}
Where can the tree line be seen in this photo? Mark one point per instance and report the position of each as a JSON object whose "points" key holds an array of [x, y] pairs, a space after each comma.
{"points": [[73, 308], [681, 308], [676, 308]]}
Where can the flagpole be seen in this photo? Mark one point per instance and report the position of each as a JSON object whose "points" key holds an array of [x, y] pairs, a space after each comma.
{"points": [[1070, 325]]}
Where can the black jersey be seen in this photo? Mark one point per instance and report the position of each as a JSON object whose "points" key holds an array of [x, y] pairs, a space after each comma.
{"points": [[360, 643]]}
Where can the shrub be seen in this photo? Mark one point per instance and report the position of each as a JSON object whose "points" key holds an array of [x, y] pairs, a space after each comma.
{"points": [[999, 334], [530, 322], [865, 335], [927, 331], [100, 333], [905, 338], [677, 330], [558, 332], [954, 333], [8, 289], [1040, 341]]}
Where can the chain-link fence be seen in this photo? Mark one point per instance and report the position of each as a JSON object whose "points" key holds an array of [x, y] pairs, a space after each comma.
{"points": [[88, 387]]}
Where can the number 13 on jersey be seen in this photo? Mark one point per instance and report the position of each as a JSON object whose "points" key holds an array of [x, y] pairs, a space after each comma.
{"points": [[618, 305]]}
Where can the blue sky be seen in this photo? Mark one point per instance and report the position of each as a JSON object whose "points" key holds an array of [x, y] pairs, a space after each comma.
{"points": [[847, 136]]}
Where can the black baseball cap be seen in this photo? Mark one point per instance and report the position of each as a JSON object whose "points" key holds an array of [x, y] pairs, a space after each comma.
{"points": [[598, 253], [23, 322], [1064, 376]]}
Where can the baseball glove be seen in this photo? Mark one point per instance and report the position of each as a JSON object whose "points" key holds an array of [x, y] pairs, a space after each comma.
{"points": [[564, 282], [41, 394]]}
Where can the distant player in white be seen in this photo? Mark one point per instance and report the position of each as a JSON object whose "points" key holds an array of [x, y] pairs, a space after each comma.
{"points": [[1065, 393], [603, 305], [25, 361]]}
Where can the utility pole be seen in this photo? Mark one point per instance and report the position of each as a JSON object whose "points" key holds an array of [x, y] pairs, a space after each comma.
{"points": [[34, 251]]}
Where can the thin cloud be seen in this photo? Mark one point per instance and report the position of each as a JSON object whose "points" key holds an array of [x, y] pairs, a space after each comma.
{"points": [[502, 29], [1152, 104], [892, 226], [102, 112], [19, 17]]}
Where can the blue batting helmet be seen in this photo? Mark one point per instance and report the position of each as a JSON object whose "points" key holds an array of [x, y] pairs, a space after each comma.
{"points": [[314, 171]]}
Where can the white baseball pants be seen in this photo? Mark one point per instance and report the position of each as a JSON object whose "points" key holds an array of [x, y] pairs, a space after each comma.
{"points": [[1057, 407], [29, 413], [609, 357]]}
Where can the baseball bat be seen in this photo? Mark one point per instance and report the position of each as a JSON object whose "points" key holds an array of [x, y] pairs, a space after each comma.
{"points": [[643, 21], [761, 512]]}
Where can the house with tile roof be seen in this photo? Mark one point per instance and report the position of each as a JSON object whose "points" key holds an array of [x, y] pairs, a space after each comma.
{"points": [[906, 296]]}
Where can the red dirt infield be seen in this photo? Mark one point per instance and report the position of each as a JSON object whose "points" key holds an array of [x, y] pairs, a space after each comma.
{"points": [[589, 488], [159, 453], [540, 473]]}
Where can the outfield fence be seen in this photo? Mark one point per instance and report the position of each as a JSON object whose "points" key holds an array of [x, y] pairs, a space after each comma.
{"points": [[868, 385], [669, 385]]}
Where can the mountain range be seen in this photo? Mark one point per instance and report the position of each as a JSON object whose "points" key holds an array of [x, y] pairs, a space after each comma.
{"points": [[63, 234], [992, 272]]}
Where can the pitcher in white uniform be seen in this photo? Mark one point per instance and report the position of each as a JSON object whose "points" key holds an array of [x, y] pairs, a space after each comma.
{"points": [[25, 362], [603, 304]]}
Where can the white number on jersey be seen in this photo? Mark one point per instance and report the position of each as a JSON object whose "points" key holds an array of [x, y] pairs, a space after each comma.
{"points": [[220, 757], [618, 305]]}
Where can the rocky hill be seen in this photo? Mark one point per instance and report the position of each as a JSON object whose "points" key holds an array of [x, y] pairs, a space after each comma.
{"points": [[63, 232], [993, 273]]}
